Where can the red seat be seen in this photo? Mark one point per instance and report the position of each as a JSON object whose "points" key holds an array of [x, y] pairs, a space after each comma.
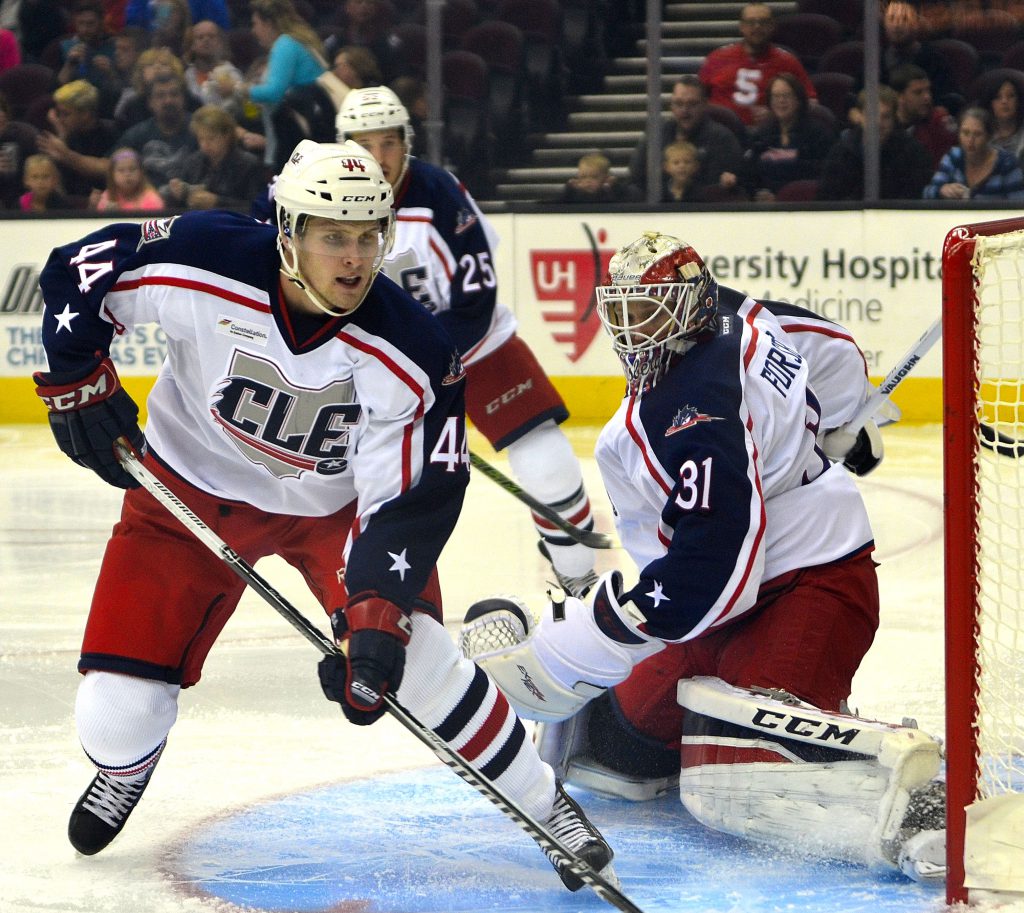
{"points": [[836, 91], [809, 36], [501, 45], [801, 191], [961, 58], [728, 118], [848, 13], [845, 57], [411, 48]]}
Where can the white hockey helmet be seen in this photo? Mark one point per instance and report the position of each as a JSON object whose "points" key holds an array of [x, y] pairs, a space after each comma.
{"points": [[656, 296], [339, 181], [373, 108]]}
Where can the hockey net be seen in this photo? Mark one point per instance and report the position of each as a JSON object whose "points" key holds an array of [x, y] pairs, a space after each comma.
{"points": [[983, 372]]}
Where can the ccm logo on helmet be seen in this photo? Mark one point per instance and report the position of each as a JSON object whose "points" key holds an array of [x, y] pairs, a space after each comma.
{"points": [[358, 198]]}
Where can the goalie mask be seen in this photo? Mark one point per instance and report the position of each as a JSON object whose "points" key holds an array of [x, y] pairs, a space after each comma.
{"points": [[342, 182], [656, 297], [375, 108]]}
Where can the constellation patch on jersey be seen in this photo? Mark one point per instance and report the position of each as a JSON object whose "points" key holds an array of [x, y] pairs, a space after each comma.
{"points": [[155, 230], [243, 329], [687, 417]]}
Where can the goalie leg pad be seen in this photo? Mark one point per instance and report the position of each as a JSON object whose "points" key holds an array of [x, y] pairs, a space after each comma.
{"points": [[771, 768]]}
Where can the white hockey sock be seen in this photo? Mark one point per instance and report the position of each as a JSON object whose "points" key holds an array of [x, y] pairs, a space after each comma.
{"points": [[458, 700], [545, 465], [123, 721]]}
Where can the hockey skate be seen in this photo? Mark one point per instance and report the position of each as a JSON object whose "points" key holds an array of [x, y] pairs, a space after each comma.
{"points": [[574, 586], [570, 825], [919, 849], [101, 812]]}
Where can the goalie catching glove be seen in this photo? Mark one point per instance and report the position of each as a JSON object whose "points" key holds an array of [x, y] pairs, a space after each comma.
{"points": [[378, 632], [577, 650], [89, 410]]}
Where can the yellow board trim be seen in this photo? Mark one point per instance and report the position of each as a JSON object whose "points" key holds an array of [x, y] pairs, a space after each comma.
{"points": [[591, 400]]}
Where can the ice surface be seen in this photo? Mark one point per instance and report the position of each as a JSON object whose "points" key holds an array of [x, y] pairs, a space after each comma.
{"points": [[264, 783]]}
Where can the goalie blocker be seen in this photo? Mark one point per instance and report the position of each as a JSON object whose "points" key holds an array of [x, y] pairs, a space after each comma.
{"points": [[760, 765]]}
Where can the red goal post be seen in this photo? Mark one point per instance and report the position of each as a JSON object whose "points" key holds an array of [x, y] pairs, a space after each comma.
{"points": [[983, 372]]}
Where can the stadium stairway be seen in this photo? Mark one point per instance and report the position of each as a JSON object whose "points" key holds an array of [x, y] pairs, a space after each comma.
{"points": [[614, 120]]}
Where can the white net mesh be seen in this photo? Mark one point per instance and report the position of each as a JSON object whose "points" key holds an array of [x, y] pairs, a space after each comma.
{"points": [[999, 275]]}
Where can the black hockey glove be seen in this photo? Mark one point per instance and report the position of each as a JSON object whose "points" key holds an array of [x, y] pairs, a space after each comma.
{"points": [[88, 412], [866, 452], [378, 632]]}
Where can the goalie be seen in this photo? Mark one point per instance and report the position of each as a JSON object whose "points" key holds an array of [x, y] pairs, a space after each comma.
{"points": [[728, 664]]}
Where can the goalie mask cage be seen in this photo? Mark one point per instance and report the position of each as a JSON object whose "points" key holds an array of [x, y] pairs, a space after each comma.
{"points": [[983, 369]]}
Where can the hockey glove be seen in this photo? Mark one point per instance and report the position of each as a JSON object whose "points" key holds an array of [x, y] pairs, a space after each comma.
{"points": [[866, 452], [88, 412], [378, 632]]}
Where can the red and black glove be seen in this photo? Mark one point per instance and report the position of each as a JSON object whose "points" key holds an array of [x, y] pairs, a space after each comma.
{"points": [[89, 411], [378, 632]]}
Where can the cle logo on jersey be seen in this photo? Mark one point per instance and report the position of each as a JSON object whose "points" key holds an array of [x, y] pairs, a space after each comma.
{"points": [[687, 417], [281, 426]]}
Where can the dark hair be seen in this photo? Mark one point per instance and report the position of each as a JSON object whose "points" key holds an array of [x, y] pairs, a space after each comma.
{"points": [[798, 88], [690, 80], [904, 75], [990, 89]]}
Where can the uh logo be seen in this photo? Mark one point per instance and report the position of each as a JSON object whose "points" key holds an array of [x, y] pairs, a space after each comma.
{"points": [[564, 281]]}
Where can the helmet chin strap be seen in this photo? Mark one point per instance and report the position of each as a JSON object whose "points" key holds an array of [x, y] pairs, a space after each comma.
{"points": [[294, 275]]}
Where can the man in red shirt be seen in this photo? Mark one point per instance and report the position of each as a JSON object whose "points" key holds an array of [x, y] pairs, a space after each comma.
{"points": [[736, 75]]}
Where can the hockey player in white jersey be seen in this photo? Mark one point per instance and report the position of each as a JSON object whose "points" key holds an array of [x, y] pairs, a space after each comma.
{"points": [[308, 408], [726, 666], [444, 257]]}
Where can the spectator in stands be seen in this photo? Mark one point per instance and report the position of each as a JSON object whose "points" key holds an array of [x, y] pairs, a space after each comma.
{"points": [[737, 75], [365, 23], [164, 140], [127, 189], [975, 169], [790, 146], [146, 13], [680, 162], [170, 25], [357, 67], [89, 54], [917, 114], [1003, 102], [296, 58], [17, 143], [905, 164], [412, 93], [595, 183], [902, 43], [721, 155], [79, 140], [10, 51], [209, 75], [219, 175], [133, 106], [44, 192]]}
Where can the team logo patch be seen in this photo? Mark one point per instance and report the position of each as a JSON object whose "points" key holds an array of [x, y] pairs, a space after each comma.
{"points": [[455, 371], [465, 219], [155, 230], [687, 417], [241, 329]]}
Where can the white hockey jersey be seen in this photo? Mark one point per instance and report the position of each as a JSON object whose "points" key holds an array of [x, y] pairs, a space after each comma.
{"points": [[716, 479], [293, 415]]}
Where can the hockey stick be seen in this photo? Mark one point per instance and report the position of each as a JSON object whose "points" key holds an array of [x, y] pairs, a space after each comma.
{"points": [[541, 835], [991, 439], [842, 439], [586, 537]]}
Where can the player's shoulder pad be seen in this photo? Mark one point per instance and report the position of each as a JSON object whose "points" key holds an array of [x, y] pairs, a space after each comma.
{"points": [[444, 193]]}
